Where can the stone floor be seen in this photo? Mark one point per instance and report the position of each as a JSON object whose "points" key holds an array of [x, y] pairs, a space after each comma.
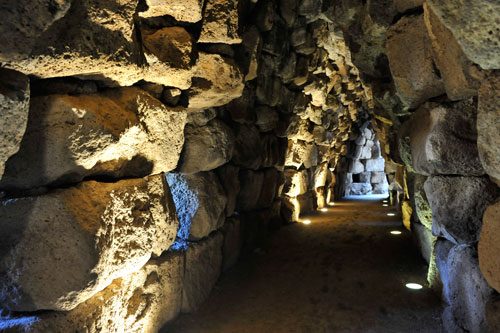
{"points": [[344, 272]]}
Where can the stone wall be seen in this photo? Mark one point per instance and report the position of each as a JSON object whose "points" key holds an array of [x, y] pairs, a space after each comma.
{"points": [[145, 145]]}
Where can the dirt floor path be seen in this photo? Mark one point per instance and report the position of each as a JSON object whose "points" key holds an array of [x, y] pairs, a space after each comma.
{"points": [[344, 272]]}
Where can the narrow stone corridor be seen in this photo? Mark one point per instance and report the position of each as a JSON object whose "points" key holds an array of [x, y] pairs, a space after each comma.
{"points": [[343, 272]]}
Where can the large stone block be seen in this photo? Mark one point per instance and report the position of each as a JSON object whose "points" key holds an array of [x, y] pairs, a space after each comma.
{"points": [[87, 235], [251, 183], [233, 242], [185, 11], [296, 182], [229, 178], [25, 21], [94, 39], [425, 240], [442, 139], [374, 165], [220, 22], [451, 61], [203, 267], [489, 246], [117, 133], [272, 182], [474, 25], [458, 204], [169, 54], [488, 126], [409, 51], [465, 290], [14, 108], [142, 301], [206, 147], [248, 147], [422, 207], [216, 82], [301, 153], [200, 201]]}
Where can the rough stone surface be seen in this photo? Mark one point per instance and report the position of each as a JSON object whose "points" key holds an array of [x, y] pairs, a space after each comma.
{"points": [[229, 178], [488, 126], [206, 147], [220, 22], [140, 302], [465, 294], [458, 204], [422, 207], [200, 202], [251, 183], [117, 133], [203, 267], [233, 242], [185, 11], [375, 165], [475, 27], [94, 39], [248, 147], [453, 65], [443, 139], [104, 232], [425, 240], [409, 51], [216, 82], [169, 54], [301, 153], [493, 313], [489, 246], [14, 108], [267, 118]]}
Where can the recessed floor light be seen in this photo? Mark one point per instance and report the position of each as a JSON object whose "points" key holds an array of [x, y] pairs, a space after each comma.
{"points": [[385, 201], [331, 203], [385, 205], [306, 221], [414, 286], [391, 214], [324, 209], [396, 232]]}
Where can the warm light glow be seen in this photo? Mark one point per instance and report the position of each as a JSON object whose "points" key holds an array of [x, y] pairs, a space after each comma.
{"points": [[306, 221], [385, 201], [391, 214], [414, 286], [331, 203], [395, 232], [324, 209], [385, 205]]}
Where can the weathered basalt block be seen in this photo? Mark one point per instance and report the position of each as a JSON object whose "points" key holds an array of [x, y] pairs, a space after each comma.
{"points": [[216, 82], [229, 177], [409, 51], [220, 22], [233, 242], [206, 147], [117, 133], [301, 153], [88, 235], [185, 11], [200, 202], [203, 267], [475, 27], [142, 301], [442, 139], [14, 108], [458, 204], [248, 147], [488, 126], [489, 246], [170, 57], [251, 183], [94, 39], [453, 64], [466, 295]]}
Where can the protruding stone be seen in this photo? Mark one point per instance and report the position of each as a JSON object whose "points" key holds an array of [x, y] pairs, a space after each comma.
{"points": [[104, 231], [203, 267], [184, 11], [466, 295], [453, 65], [142, 301], [206, 147], [475, 27], [489, 246], [300, 152], [296, 182], [216, 82], [374, 165], [409, 51], [14, 108], [117, 133], [425, 240], [200, 201], [442, 139], [488, 126], [422, 207], [169, 54], [252, 44], [458, 204], [220, 22], [93, 39], [248, 147]]}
